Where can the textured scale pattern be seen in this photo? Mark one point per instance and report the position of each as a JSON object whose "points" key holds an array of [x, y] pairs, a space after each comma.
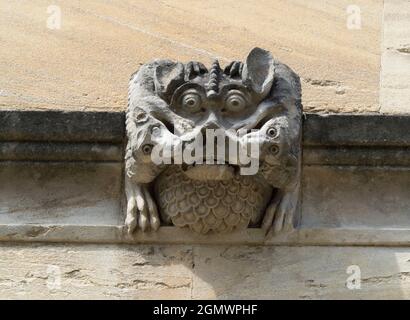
{"points": [[211, 206]]}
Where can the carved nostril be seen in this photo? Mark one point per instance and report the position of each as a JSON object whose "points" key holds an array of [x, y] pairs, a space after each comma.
{"points": [[274, 149], [146, 149]]}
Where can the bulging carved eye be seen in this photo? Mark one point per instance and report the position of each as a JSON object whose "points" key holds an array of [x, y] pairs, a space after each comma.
{"points": [[191, 101], [235, 101], [272, 132]]}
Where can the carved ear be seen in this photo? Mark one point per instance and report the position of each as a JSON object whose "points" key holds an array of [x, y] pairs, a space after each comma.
{"points": [[258, 71], [168, 77]]}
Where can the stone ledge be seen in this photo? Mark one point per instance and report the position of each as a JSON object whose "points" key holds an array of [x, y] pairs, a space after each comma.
{"points": [[356, 156], [318, 129], [115, 234], [62, 181], [356, 130], [71, 126], [60, 151], [339, 139]]}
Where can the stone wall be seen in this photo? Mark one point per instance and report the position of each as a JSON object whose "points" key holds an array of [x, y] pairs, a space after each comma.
{"points": [[62, 217], [67, 271], [85, 64], [61, 173]]}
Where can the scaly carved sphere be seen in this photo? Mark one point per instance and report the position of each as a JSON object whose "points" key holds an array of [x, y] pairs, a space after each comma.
{"points": [[218, 206]]}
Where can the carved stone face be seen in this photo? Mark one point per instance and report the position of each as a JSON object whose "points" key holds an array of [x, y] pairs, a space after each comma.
{"points": [[216, 99], [251, 103], [214, 102]]}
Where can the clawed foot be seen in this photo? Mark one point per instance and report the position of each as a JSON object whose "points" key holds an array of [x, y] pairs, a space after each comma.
{"points": [[280, 215], [141, 209]]}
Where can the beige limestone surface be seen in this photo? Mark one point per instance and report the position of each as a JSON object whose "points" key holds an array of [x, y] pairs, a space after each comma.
{"points": [[86, 64], [201, 272], [395, 69]]}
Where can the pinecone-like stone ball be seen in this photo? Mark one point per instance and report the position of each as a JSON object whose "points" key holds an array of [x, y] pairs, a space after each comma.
{"points": [[218, 206]]}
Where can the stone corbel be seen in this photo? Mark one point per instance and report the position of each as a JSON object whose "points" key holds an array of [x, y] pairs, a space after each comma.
{"points": [[255, 108]]}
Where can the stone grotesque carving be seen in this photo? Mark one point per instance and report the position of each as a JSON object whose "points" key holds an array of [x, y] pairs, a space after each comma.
{"points": [[252, 106]]}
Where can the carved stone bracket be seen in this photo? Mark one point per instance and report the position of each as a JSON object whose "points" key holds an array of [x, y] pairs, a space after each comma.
{"points": [[214, 150]]}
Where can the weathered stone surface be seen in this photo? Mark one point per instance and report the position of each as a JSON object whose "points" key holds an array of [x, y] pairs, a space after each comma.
{"points": [[395, 65], [356, 130], [85, 64], [60, 136], [355, 197], [57, 151], [299, 273], [325, 236], [75, 201], [200, 272], [95, 272], [62, 193], [19, 125], [357, 156]]}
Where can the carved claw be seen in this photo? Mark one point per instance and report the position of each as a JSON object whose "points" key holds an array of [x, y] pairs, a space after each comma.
{"points": [[281, 213], [141, 209], [234, 69]]}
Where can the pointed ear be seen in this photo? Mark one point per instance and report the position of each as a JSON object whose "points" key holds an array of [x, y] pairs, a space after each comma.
{"points": [[167, 78], [258, 71]]}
